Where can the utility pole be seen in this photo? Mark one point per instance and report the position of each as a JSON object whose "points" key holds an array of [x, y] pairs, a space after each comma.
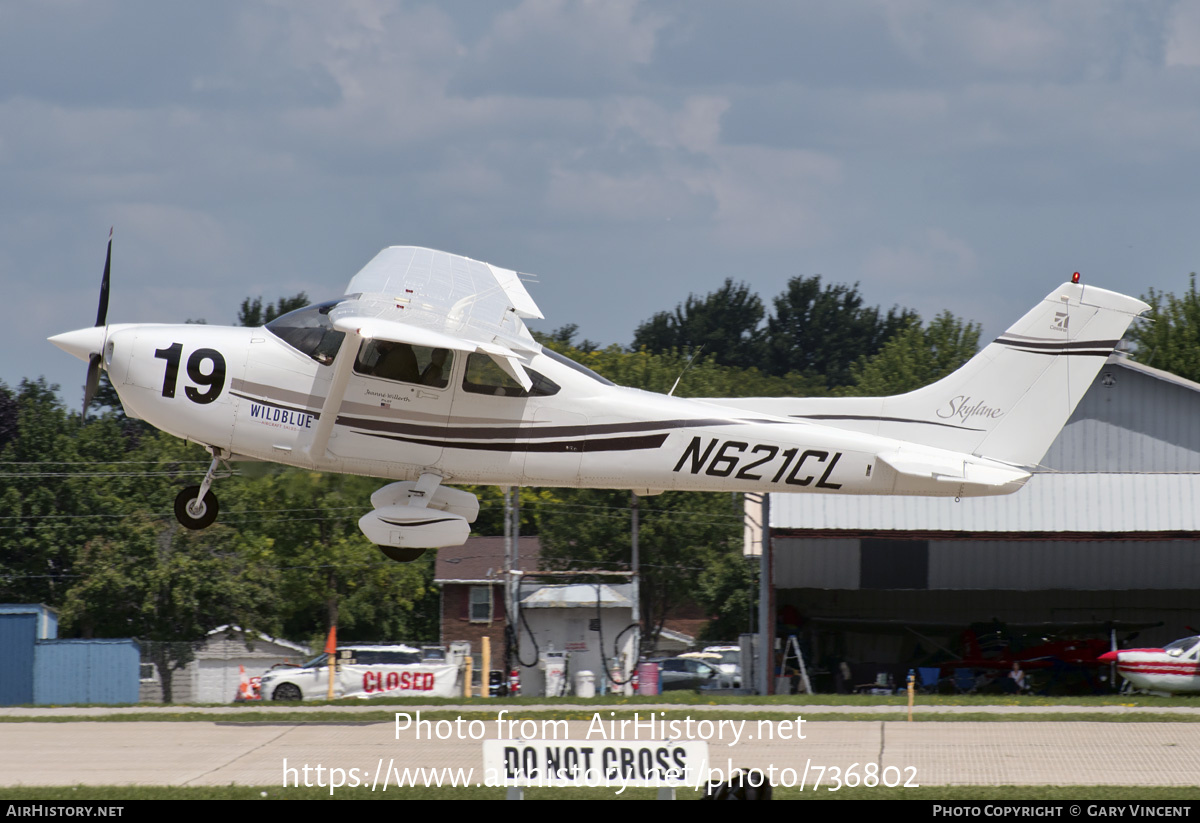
{"points": [[635, 578], [766, 626]]}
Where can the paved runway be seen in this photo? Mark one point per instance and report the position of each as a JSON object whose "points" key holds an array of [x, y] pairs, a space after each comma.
{"points": [[928, 753]]}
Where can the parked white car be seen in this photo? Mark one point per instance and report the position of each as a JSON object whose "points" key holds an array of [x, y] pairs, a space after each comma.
{"points": [[364, 671], [731, 661]]}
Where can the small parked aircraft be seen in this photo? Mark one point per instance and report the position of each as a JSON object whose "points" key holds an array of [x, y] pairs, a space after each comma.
{"points": [[1174, 669], [424, 373]]}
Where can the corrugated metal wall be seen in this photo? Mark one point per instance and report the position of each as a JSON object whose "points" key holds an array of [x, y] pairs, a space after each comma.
{"points": [[1131, 420], [1126, 464], [955, 610], [85, 671], [1127, 461], [1001, 565]]}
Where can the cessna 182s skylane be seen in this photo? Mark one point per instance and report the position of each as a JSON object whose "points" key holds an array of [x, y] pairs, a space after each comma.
{"points": [[424, 373]]}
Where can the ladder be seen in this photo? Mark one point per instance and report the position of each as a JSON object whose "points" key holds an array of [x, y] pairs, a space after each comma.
{"points": [[792, 651]]}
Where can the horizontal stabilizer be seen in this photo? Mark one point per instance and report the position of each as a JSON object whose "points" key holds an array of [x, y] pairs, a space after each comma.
{"points": [[971, 471]]}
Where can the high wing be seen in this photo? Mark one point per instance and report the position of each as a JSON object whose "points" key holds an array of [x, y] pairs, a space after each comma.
{"points": [[425, 297], [432, 298]]}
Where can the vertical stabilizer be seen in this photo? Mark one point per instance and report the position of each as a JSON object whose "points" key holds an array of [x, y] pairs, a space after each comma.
{"points": [[1010, 400]]}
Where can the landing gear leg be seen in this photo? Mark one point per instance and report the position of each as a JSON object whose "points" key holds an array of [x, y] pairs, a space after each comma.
{"points": [[196, 506]]}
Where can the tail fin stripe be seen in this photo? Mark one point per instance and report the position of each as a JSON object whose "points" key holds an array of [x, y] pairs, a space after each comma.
{"points": [[1103, 353], [876, 418], [1059, 346]]}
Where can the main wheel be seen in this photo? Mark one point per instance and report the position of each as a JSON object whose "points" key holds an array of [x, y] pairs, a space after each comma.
{"points": [[193, 513], [401, 555], [287, 691]]}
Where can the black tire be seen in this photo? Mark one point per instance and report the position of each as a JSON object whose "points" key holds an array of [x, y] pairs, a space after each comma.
{"points": [[401, 555], [287, 691], [208, 513]]}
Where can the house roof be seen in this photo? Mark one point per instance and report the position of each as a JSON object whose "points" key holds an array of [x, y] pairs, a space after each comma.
{"points": [[578, 595], [287, 644], [481, 560]]}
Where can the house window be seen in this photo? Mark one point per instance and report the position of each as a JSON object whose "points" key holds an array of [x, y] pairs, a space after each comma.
{"points": [[481, 604]]}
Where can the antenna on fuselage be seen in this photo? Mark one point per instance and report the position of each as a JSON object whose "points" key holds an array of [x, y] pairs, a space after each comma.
{"points": [[685, 368]]}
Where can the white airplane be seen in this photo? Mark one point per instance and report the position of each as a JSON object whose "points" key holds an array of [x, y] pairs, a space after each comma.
{"points": [[1174, 669], [424, 373]]}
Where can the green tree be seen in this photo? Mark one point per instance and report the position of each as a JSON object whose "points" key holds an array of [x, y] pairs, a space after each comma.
{"points": [[702, 376], [724, 322], [47, 503], [253, 313], [678, 534], [329, 572], [1168, 336], [824, 331], [915, 357], [169, 586], [564, 337], [490, 522], [727, 589]]}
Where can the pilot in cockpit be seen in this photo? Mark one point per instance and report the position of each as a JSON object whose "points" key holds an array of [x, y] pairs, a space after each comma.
{"points": [[396, 361]]}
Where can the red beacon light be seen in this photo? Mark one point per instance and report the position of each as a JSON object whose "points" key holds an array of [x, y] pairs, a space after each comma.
{"points": [[1075, 277]]}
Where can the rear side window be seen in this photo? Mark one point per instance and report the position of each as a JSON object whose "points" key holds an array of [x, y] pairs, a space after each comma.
{"points": [[483, 376]]}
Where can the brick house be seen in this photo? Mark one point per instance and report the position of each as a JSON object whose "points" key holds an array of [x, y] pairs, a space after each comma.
{"points": [[472, 583]]}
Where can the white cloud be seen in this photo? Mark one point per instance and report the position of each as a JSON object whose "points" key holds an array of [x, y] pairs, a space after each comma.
{"points": [[930, 260], [1183, 35], [561, 48]]}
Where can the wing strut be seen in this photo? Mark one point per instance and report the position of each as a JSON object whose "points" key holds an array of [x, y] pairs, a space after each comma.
{"points": [[343, 364]]}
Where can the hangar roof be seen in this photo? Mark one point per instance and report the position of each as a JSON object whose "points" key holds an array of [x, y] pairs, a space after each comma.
{"points": [[1132, 504]]}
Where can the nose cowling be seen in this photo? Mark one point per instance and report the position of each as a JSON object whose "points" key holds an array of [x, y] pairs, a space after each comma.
{"points": [[82, 343]]}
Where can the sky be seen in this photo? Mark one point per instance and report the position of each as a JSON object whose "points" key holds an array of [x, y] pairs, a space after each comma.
{"points": [[943, 155]]}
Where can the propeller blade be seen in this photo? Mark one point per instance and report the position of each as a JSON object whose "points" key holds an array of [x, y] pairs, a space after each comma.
{"points": [[94, 362], [91, 386], [102, 311]]}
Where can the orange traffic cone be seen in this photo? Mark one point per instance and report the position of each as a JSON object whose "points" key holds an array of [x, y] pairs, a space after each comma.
{"points": [[245, 690]]}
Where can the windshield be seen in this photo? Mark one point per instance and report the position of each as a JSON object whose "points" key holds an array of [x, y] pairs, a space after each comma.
{"points": [[1181, 646], [309, 331]]}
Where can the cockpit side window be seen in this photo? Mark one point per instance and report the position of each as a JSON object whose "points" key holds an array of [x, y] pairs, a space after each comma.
{"points": [[409, 364], [483, 376], [309, 332]]}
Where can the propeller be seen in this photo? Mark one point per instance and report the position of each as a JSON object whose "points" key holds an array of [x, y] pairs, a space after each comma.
{"points": [[93, 373]]}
